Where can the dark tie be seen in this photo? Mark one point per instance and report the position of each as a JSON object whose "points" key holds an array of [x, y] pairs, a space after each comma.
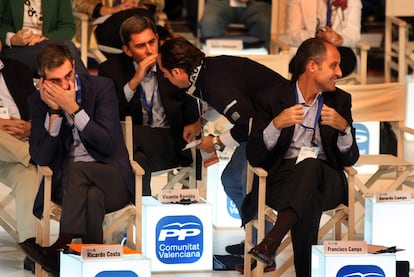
{"points": [[117, 2]]}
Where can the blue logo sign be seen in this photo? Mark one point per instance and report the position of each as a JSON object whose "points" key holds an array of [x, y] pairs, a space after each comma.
{"points": [[179, 239], [232, 209], [360, 271], [362, 138], [117, 273]]}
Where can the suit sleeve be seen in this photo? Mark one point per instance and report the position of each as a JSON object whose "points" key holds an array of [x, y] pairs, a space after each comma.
{"points": [[59, 22]]}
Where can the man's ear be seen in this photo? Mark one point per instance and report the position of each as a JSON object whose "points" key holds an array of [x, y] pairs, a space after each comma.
{"points": [[312, 66], [126, 50]]}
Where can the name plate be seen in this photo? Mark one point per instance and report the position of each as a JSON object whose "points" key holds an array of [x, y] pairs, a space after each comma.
{"points": [[393, 196], [345, 247], [102, 252], [185, 196], [224, 44]]}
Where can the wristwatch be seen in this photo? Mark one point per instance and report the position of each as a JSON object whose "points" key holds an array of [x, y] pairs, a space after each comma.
{"points": [[217, 145], [346, 132], [72, 115]]}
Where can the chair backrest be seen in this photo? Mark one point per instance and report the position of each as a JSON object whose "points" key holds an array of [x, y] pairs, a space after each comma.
{"points": [[399, 8], [380, 102]]}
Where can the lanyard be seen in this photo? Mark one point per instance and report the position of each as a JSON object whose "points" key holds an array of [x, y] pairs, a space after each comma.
{"points": [[318, 114], [328, 13], [147, 106], [78, 90]]}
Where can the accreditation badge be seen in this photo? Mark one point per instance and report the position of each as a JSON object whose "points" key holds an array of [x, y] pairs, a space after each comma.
{"points": [[307, 152]]}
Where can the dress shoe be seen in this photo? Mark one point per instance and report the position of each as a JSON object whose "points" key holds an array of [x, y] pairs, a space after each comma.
{"points": [[38, 254], [29, 264], [265, 251], [236, 249], [267, 268]]}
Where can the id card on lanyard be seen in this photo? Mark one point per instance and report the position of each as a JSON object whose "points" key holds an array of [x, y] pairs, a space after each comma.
{"points": [[313, 150]]}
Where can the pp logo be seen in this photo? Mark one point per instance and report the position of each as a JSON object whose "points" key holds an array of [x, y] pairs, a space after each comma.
{"points": [[117, 273], [232, 209], [362, 138], [360, 271], [179, 239]]}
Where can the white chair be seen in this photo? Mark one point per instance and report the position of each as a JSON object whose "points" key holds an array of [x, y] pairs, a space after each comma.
{"points": [[7, 220], [280, 43], [237, 29], [382, 102], [399, 50], [132, 214]]}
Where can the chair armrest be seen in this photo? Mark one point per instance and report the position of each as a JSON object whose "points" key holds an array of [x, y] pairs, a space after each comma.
{"points": [[259, 171], [397, 21], [279, 43], [45, 171], [351, 171], [406, 129], [136, 168], [363, 46], [83, 17]]}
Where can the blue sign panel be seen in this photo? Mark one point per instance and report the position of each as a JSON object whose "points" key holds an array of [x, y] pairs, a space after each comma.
{"points": [[179, 239], [360, 271]]}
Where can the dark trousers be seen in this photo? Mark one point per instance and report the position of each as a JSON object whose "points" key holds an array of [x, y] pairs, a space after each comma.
{"points": [[90, 190], [158, 149], [309, 188]]}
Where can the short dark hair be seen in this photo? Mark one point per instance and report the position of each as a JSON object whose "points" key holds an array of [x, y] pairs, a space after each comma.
{"points": [[52, 56], [180, 53], [135, 25], [311, 49]]}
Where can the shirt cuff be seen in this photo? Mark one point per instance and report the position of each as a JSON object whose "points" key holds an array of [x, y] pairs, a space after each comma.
{"points": [[270, 135], [54, 129], [8, 38], [81, 119], [344, 142], [228, 140], [129, 93]]}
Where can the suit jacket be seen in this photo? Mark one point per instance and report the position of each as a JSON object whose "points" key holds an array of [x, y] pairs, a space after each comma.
{"points": [[180, 109], [102, 136], [303, 22], [58, 19], [231, 84], [18, 79], [270, 105]]}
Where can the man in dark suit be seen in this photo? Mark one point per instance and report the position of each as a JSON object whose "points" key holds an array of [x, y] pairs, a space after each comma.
{"points": [[225, 85], [159, 111], [77, 133], [304, 137]]}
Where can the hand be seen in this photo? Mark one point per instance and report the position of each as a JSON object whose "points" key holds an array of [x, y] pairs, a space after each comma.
{"points": [[331, 118], [191, 131], [206, 144], [125, 5], [289, 117], [331, 36], [36, 39], [142, 70], [45, 95], [15, 127], [21, 38], [62, 98]]}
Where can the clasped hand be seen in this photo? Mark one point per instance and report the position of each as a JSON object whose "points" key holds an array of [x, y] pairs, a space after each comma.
{"points": [[26, 37], [294, 115], [330, 35], [57, 97]]}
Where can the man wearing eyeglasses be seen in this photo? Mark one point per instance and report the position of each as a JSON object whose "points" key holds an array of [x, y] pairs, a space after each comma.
{"points": [[77, 133]]}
